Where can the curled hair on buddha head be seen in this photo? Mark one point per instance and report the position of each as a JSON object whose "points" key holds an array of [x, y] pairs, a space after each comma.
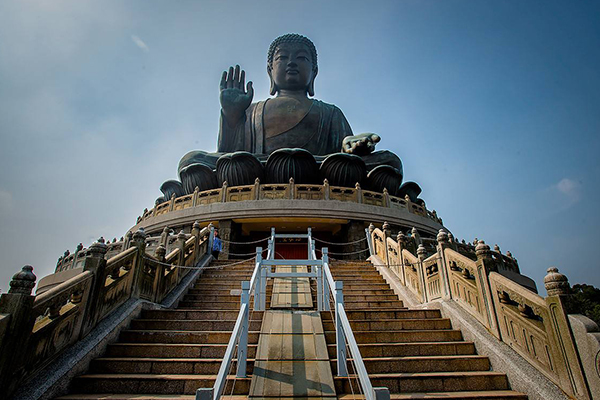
{"points": [[293, 38]]}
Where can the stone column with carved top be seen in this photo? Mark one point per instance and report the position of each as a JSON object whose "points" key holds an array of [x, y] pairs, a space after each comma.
{"points": [[486, 264]]}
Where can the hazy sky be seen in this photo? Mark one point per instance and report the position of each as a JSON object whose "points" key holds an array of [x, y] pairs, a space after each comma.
{"points": [[493, 106]]}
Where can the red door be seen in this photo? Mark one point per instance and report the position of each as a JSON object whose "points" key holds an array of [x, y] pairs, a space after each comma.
{"points": [[291, 251]]}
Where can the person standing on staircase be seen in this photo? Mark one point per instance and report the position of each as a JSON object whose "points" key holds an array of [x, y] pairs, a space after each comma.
{"points": [[217, 245]]}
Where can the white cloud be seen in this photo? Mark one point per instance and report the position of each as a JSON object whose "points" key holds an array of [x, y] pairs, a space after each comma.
{"points": [[570, 188], [140, 43]]}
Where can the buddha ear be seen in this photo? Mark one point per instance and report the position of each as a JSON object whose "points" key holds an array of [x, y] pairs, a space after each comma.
{"points": [[311, 85], [273, 89]]}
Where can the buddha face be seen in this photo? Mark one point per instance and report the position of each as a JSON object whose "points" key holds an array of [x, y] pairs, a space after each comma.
{"points": [[292, 68]]}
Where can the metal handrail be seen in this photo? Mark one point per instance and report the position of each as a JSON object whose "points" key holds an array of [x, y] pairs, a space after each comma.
{"points": [[325, 283]]}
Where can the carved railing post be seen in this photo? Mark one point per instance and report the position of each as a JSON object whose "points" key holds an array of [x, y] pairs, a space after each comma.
{"points": [[172, 202], [485, 264], [292, 189], [570, 370], [386, 234], [127, 241], [181, 246], [196, 233], [386, 198], [138, 241], [359, 195], [95, 263], [211, 238], [422, 255], [160, 254], [443, 240], [326, 189], [195, 196], [414, 233], [257, 189], [401, 239], [224, 192], [15, 327]]}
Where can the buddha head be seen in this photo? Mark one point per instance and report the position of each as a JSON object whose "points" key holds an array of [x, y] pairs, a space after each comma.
{"points": [[292, 64]]}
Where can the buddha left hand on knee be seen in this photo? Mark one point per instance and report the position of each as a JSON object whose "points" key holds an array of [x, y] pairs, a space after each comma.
{"points": [[360, 145]]}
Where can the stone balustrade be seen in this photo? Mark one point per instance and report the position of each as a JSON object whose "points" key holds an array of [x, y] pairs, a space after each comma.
{"points": [[34, 330], [291, 191], [484, 283]]}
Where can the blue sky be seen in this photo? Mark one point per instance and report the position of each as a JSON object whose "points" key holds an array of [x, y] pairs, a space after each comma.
{"points": [[493, 106]]}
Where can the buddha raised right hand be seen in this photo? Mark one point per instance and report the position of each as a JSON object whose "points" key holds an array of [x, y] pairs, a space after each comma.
{"points": [[234, 100]]}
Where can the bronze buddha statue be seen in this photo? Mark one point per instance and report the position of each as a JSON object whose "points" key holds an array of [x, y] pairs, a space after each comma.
{"points": [[291, 122]]}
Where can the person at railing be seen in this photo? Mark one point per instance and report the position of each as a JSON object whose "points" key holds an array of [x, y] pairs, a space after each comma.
{"points": [[217, 245]]}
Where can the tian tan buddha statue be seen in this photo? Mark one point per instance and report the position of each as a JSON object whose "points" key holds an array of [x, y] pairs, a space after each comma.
{"points": [[290, 135]]}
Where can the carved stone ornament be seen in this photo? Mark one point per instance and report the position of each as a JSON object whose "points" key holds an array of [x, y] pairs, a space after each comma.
{"points": [[239, 169], [556, 283], [197, 175], [385, 177], [299, 164], [23, 281], [442, 236], [343, 169], [410, 189], [172, 188]]}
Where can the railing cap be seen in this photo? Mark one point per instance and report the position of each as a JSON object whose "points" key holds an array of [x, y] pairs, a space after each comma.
{"points": [[442, 236], [23, 281], [556, 283]]}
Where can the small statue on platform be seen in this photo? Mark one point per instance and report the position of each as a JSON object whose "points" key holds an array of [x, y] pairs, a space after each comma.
{"points": [[292, 131]]}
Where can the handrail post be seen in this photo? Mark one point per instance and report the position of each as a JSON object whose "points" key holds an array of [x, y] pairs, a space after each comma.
{"points": [[325, 258], [309, 244], [243, 343], [340, 339], [369, 241], [319, 271], [257, 284], [263, 287]]}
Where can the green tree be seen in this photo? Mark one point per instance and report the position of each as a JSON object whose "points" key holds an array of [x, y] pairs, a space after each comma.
{"points": [[586, 301]]}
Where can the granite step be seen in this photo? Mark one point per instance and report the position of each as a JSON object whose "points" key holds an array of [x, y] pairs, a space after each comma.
{"points": [[158, 336], [445, 363], [189, 325], [148, 365], [155, 383], [479, 395], [411, 349], [369, 314], [413, 336], [393, 324], [172, 350], [429, 382], [198, 315]]}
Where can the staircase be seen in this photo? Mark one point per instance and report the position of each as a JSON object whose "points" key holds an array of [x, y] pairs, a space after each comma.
{"points": [[169, 353], [414, 353]]}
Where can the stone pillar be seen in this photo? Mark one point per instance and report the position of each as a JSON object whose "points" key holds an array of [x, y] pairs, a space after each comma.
{"points": [[138, 241], [195, 196], [127, 241], [422, 254], [387, 232], [181, 239], [326, 188], [292, 189], [443, 239], [15, 327], [225, 231], [157, 289], [224, 192], [401, 239], [355, 232], [485, 264], [359, 197], [570, 370], [95, 263], [257, 189], [196, 234]]}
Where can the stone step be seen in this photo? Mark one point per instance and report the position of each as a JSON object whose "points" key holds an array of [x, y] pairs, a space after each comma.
{"points": [[155, 383], [411, 349], [479, 395], [175, 351], [156, 336], [169, 366], [368, 314], [198, 315], [125, 396], [392, 324], [401, 336], [189, 325], [215, 305], [350, 304], [369, 297], [211, 297], [359, 291], [430, 382], [366, 286], [387, 365]]}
